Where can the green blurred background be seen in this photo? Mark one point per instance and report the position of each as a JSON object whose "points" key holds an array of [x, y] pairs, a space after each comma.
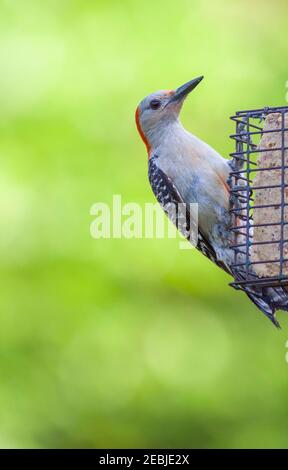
{"points": [[126, 343]]}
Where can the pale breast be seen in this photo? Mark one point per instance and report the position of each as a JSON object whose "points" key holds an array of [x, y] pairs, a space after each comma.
{"points": [[200, 175]]}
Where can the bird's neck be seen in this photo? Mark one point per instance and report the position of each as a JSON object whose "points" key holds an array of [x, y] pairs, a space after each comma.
{"points": [[164, 134]]}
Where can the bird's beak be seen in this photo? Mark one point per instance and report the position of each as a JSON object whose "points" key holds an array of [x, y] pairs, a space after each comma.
{"points": [[185, 89]]}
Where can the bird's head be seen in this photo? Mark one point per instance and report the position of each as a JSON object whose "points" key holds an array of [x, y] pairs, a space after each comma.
{"points": [[159, 109]]}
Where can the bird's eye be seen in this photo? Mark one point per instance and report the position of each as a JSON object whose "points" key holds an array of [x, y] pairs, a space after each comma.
{"points": [[155, 104]]}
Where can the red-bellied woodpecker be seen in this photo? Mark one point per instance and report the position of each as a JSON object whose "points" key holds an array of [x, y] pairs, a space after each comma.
{"points": [[183, 170]]}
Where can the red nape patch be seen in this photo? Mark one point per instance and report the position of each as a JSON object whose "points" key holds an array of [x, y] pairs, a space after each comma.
{"points": [[143, 137]]}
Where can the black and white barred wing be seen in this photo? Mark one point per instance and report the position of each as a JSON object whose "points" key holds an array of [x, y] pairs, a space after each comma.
{"points": [[179, 212]]}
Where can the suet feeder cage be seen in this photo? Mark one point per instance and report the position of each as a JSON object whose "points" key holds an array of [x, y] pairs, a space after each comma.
{"points": [[259, 198]]}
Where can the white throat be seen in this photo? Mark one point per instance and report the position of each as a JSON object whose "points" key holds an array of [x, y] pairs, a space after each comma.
{"points": [[165, 133]]}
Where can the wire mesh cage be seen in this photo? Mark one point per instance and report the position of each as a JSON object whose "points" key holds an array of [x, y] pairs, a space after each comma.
{"points": [[259, 198]]}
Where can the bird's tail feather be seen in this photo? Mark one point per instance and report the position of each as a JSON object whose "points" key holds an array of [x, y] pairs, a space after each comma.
{"points": [[268, 299], [264, 305]]}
